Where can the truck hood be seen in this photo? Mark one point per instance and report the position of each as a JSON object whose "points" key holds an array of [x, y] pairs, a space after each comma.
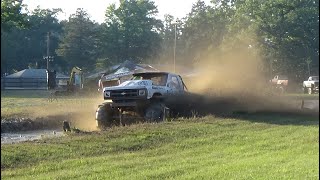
{"points": [[132, 84]]}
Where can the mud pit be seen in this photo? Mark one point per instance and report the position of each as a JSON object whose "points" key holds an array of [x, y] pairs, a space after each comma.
{"points": [[49, 124], [10, 138]]}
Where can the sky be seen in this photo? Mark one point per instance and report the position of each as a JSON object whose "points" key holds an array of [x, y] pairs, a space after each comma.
{"points": [[96, 8]]}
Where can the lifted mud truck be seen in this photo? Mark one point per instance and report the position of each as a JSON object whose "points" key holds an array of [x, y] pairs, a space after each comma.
{"points": [[144, 96], [311, 85]]}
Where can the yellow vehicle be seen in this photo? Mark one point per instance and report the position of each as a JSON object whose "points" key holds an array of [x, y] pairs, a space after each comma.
{"points": [[75, 83]]}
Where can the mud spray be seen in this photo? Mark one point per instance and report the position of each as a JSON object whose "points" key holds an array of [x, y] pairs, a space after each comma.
{"points": [[232, 81], [80, 113]]}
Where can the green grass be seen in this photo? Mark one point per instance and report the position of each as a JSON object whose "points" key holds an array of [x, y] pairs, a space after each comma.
{"points": [[303, 96], [29, 102], [205, 148], [247, 146]]}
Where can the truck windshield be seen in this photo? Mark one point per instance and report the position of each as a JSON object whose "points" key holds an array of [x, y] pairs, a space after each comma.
{"points": [[157, 79], [283, 77], [313, 78]]}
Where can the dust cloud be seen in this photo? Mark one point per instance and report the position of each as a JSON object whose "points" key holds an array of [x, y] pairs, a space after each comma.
{"points": [[227, 74], [231, 81], [79, 112]]}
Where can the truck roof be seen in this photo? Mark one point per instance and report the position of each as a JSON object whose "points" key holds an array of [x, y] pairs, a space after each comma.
{"points": [[153, 73]]}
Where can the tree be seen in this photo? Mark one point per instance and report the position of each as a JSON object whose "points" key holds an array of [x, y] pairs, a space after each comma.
{"points": [[288, 33], [79, 42], [11, 15], [197, 31], [170, 27], [131, 31], [21, 47]]}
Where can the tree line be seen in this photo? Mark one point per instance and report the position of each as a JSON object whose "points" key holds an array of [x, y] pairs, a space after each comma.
{"points": [[284, 32]]}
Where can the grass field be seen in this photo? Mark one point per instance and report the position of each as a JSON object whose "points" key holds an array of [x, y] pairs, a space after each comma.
{"points": [[304, 96], [206, 148], [35, 103], [246, 146]]}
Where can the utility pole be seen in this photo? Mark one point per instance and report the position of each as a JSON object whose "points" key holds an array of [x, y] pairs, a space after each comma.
{"points": [[174, 47], [48, 49], [48, 57]]}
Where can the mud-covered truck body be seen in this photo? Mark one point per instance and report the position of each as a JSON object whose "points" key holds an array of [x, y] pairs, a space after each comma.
{"points": [[311, 85], [143, 95]]}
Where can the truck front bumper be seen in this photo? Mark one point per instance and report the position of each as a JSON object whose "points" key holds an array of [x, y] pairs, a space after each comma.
{"points": [[124, 104], [134, 102]]}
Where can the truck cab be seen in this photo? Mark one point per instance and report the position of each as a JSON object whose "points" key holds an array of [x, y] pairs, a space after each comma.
{"points": [[144, 94], [155, 84]]}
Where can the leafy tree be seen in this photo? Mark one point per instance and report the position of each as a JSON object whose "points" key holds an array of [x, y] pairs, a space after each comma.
{"points": [[131, 31], [197, 32], [204, 29], [21, 47], [79, 42], [11, 15], [288, 33], [171, 26]]}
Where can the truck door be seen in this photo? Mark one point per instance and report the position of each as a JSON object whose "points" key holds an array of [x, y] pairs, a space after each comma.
{"points": [[174, 84]]}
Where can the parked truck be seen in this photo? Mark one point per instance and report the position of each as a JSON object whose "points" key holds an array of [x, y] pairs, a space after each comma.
{"points": [[143, 95], [311, 85]]}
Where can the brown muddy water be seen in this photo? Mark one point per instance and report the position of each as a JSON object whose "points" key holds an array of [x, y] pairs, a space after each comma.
{"points": [[11, 138]]}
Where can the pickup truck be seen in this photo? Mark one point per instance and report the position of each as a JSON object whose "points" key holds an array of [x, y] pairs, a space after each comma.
{"points": [[144, 95], [311, 85], [280, 82]]}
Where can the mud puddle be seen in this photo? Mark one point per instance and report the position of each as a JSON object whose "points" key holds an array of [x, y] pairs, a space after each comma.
{"points": [[311, 104], [10, 138]]}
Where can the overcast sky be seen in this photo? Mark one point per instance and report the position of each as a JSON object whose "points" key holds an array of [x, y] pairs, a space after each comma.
{"points": [[96, 8]]}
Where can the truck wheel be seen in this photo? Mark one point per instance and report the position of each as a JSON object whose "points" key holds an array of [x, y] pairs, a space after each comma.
{"points": [[104, 116], [154, 113], [305, 90]]}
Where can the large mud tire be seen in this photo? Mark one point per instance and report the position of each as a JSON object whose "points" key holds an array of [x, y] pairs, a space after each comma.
{"points": [[154, 113], [104, 116]]}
